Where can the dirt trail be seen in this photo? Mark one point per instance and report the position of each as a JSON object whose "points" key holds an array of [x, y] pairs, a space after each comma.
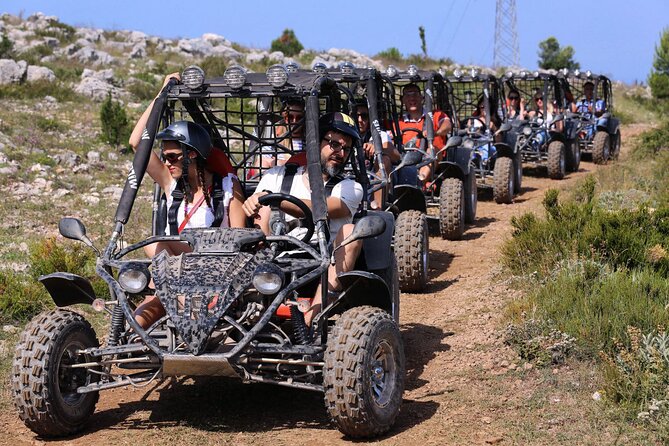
{"points": [[464, 387]]}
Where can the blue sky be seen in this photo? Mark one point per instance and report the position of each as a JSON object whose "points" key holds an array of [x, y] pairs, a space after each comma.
{"points": [[613, 37]]}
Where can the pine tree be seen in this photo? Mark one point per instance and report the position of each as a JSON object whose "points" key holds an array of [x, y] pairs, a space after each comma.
{"points": [[659, 75], [114, 121], [551, 56]]}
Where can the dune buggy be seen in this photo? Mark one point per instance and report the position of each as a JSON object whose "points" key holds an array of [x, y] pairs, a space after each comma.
{"points": [[597, 128], [477, 103], [452, 186], [234, 305], [540, 136], [411, 238]]}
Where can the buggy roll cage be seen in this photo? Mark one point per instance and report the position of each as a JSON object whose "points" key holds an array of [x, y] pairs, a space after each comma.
{"points": [[468, 90], [527, 84], [575, 81]]}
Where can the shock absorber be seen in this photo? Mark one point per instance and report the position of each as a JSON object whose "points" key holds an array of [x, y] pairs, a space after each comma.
{"points": [[300, 329], [117, 321]]}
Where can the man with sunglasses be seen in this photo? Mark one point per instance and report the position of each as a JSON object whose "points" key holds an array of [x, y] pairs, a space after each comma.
{"points": [[338, 138]]}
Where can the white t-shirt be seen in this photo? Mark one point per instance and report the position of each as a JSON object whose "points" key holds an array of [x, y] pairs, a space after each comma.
{"points": [[204, 215], [347, 190]]}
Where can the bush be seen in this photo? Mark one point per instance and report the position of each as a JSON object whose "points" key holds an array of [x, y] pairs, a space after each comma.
{"points": [[21, 297], [37, 90], [6, 48], [213, 66], [392, 54], [114, 121], [287, 43]]}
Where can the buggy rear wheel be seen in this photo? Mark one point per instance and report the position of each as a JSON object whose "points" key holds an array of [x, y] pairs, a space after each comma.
{"points": [[573, 155], [364, 370], [557, 164], [471, 196], [601, 147], [412, 247], [518, 172], [503, 180], [44, 384], [615, 145], [452, 209]]}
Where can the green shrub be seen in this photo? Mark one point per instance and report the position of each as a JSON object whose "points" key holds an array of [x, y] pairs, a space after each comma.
{"points": [[651, 141], [49, 124], [39, 89], [50, 255], [392, 54], [143, 90], [114, 121], [34, 55], [61, 31], [287, 43], [213, 66], [21, 297], [6, 48]]}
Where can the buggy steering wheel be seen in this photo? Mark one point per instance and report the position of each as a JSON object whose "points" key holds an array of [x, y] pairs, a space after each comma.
{"points": [[274, 201]]}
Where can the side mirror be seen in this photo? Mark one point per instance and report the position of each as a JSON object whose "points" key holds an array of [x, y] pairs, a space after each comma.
{"points": [[454, 141], [505, 127], [366, 227], [72, 228], [557, 118]]}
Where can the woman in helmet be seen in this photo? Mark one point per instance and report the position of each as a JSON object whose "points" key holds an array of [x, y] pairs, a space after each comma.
{"points": [[189, 188]]}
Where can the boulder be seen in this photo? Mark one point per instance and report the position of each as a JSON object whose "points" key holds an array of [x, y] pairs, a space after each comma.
{"points": [[255, 57], [97, 89], [12, 71], [138, 51], [215, 39], [276, 56], [93, 56], [36, 73]]}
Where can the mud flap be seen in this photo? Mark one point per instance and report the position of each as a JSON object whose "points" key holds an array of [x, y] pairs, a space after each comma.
{"points": [[68, 289]]}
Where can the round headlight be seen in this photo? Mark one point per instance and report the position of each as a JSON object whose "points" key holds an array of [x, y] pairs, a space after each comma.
{"points": [[523, 74], [468, 143], [292, 67], [412, 70], [535, 74], [319, 67], [347, 68], [391, 71], [134, 278], [457, 73], [192, 77], [527, 131], [509, 74], [277, 76], [235, 76], [268, 278]]}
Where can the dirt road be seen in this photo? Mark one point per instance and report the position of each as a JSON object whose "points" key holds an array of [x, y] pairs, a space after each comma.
{"points": [[464, 387]]}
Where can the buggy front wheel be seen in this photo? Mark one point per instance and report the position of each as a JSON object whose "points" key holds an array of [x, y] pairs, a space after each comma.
{"points": [[363, 376], [557, 163], [601, 147], [44, 383], [504, 180], [412, 247], [452, 209]]}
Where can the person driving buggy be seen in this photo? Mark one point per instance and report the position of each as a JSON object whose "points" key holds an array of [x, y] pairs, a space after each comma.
{"points": [[196, 197], [338, 137], [414, 117]]}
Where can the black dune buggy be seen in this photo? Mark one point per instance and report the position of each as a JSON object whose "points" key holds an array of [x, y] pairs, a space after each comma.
{"points": [[452, 188], [541, 136], [411, 238], [594, 123], [497, 164], [235, 304]]}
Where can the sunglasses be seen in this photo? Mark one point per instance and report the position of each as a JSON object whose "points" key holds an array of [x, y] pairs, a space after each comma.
{"points": [[336, 145], [173, 158], [364, 115], [513, 98]]}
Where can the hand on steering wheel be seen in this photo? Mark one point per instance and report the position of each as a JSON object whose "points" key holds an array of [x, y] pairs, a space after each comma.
{"points": [[274, 202]]}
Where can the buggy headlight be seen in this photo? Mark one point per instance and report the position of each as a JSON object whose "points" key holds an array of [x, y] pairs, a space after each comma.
{"points": [[192, 77], [577, 72], [535, 74], [588, 74], [292, 67], [319, 67], [391, 71], [134, 277], [268, 278], [565, 71], [509, 74], [527, 130], [412, 70], [235, 76], [277, 76], [523, 74], [347, 68]]}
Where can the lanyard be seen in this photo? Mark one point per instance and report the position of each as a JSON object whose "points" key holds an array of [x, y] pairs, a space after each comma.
{"points": [[190, 213]]}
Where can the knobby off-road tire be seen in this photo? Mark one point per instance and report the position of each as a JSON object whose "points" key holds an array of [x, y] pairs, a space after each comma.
{"points": [[412, 248], [557, 163], [452, 209], [364, 370], [471, 197], [601, 147], [573, 155], [503, 180], [44, 390], [615, 145], [518, 172]]}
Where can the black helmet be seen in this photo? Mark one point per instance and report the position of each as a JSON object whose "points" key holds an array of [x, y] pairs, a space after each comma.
{"points": [[339, 122], [189, 134]]}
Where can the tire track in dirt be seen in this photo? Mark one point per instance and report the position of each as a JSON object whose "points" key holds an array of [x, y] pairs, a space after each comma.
{"points": [[457, 392]]}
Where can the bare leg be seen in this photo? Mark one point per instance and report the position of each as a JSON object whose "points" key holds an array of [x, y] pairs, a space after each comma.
{"points": [[344, 261]]}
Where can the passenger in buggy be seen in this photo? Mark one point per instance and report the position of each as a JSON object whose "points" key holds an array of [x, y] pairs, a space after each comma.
{"points": [[291, 125], [196, 197], [338, 136], [390, 153]]}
